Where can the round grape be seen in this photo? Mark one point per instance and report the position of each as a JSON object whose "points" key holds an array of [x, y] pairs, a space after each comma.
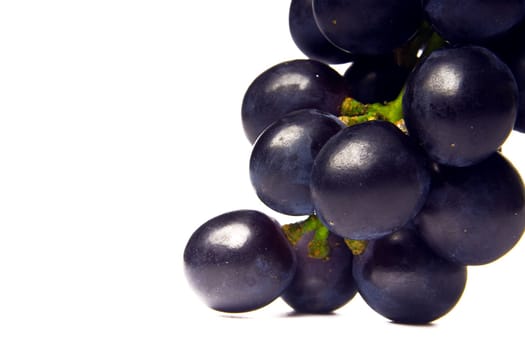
{"points": [[369, 180], [372, 79], [474, 215], [460, 104], [239, 261], [321, 285], [287, 87], [282, 159], [368, 27], [474, 21], [309, 39], [405, 281]]}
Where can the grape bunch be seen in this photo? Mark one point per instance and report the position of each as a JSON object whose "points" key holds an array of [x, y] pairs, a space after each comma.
{"points": [[397, 165]]}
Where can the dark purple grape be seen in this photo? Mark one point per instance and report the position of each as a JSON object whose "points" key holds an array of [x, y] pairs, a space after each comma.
{"points": [[474, 215], [405, 281], [239, 261], [368, 27], [474, 21], [512, 51], [309, 39], [287, 87], [460, 104], [282, 159], [372, 79], [369, 180], [321, 285], [517, 65]]}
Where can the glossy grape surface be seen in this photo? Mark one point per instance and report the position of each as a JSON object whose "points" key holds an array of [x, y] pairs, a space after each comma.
{"points": [[321, 285], [369, 180], [402, 279], [239, 261], [473, 21], [309, 39], [460, 104], [282, 159], [474, 215], [287, 87], [368, 27]]}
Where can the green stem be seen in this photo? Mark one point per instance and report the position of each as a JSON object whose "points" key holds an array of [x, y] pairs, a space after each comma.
{"points": [[434, 42], [294, 231], [408, 55], [354, 112], [357, 247], [318, 246]]}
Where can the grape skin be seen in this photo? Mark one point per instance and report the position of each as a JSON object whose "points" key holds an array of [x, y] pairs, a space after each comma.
{"points": [[474, 215], [309, 39], [287, 87], [474, 21], [368, 27], [511, 49], [517, 65], [239, 261], [372, 79], [453, 109], [321, 285], [369, 180], [402, 279], [282, 159]]}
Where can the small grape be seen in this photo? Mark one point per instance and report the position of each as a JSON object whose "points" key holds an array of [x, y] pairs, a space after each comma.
{"points": [[309, 39], [282, 159], [321, 285], [287, 87], [372, 79], [405, 281]]}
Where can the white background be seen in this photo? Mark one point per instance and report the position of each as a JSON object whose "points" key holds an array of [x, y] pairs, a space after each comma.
{"points": [[120, 134]]}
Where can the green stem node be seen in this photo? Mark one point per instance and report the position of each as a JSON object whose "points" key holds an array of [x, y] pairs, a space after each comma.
{"points": [[294, 231], [354, 112], [318, 246], [356, 246]]}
